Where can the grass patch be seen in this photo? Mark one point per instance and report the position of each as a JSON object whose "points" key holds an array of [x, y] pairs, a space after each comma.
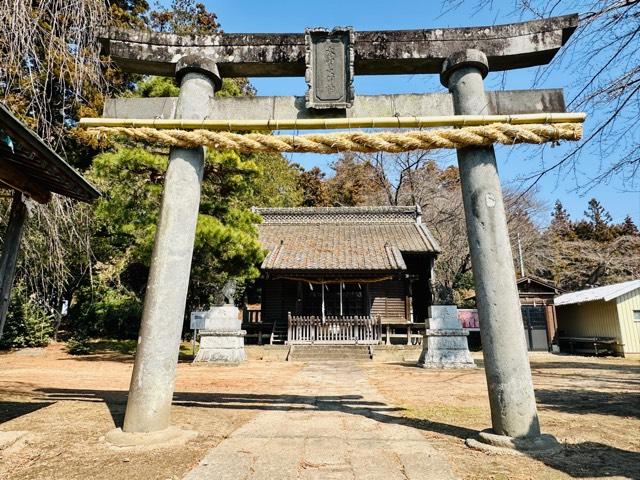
{"points": [[467, 416], [104, 346], [124, 347]]}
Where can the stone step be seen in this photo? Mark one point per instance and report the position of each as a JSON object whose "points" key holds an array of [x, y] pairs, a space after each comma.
{"points": [[331, 348], [328, 359], [320, 358], [329, 353]]}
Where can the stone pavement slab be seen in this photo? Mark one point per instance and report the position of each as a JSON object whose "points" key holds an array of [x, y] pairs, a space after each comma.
{"points": [[333, 425]]}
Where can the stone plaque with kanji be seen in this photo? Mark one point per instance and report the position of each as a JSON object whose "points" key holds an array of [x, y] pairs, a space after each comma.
{"points": [[329, 58]]}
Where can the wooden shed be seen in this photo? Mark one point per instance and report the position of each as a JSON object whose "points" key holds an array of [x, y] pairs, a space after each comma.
{"points": [[538, 315], [538, 312], [342, 274], [601, 319]]}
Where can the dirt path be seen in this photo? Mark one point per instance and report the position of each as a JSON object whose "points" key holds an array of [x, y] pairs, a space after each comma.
{"points": [[329, 423], [67, 403]]}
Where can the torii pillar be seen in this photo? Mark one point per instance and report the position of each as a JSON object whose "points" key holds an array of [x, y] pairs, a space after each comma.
{"points": [[514, 414], [520, 45], [153, 378]]}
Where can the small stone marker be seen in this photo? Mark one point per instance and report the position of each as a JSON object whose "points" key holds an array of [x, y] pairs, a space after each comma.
{"points": [[445, 344], [221, 336]]}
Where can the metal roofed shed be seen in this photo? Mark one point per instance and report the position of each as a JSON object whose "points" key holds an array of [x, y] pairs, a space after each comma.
{"points": [[608, 315], [606, 293], [31, 169]]}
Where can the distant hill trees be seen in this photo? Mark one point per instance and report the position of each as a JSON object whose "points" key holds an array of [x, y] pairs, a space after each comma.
{"points": [[576, 254], [589, 252]]}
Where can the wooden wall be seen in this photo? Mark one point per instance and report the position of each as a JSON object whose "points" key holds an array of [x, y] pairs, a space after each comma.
{"points": [[388, 299], [271, 300]]}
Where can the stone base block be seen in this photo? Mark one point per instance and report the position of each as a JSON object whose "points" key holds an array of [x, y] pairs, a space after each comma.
{"points": [[222, 340], [441, 365], [446, 349], [168, 437], [221, 347], [221, 318], [490, 442]]}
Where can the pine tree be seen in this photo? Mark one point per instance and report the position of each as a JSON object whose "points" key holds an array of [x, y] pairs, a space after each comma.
{"points": [[628, 227], [314, 188], [599, 221], [561, 224]]}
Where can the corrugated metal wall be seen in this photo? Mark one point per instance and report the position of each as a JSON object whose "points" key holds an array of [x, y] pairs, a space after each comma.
{"points": [[630, 329]]}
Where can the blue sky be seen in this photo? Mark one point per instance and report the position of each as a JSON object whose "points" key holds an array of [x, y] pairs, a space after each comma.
{"points": [[295, 16]]}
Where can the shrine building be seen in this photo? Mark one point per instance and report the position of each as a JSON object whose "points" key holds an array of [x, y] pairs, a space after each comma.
{"points": [[342, 275]]}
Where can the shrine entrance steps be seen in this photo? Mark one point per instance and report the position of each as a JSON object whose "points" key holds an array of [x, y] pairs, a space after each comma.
{"points": [[321, 353], [279, 334]]}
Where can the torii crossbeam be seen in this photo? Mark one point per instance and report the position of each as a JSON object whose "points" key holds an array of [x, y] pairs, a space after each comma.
{"points": [[328, 59], [390, 52]]}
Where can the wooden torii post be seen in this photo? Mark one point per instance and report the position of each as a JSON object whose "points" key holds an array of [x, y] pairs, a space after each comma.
{"points": [[328, 60]]}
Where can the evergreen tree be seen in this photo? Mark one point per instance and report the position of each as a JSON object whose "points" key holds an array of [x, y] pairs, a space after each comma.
{"points": [[314, 189], [561, 224], [628, 227], [599, 221], [277, 185]]}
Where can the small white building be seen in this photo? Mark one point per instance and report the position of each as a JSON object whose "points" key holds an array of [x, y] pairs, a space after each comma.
{"points": [[609, 312]]}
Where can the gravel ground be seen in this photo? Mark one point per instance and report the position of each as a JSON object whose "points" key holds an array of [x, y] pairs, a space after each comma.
{"points": [[66, 404]]}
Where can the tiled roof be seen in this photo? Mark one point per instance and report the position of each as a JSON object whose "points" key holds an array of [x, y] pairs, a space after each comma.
{"points": [[606, 293], [342, 238]]}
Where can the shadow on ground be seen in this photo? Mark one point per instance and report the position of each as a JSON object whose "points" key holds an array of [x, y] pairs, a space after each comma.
{"points": [[580, 460], [568, 365], [11, 410], [622, 404], [107, 355]]}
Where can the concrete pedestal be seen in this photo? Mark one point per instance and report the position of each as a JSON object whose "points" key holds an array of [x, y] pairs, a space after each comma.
{"points": [[445, 343], [490, 442], [222, 339]]}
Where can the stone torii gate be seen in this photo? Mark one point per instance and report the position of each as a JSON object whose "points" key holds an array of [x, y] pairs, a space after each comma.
{"points": [[328, 60]]}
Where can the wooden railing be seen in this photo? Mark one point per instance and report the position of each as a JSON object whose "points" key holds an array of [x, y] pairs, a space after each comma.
{"points": [[334, 330], [252, 314]]}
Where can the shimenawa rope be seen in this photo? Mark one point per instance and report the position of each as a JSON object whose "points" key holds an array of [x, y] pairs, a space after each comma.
{"points": [[394, 142]]}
